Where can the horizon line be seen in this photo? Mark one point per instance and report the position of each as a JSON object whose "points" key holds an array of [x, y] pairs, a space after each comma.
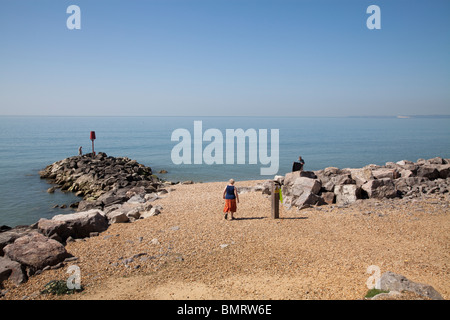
{"points": [[399, 116]]}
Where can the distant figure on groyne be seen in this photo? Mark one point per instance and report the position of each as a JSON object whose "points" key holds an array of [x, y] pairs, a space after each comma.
{"points": [[80, 151], [298, 165], [230, 195]]}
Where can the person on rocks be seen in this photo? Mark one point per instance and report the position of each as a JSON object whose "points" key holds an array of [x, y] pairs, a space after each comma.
{"points": [[298, 165], [231, 196], [80, 151]]}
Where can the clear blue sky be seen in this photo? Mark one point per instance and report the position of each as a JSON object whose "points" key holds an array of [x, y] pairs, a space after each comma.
{"points": [[224, 57]]}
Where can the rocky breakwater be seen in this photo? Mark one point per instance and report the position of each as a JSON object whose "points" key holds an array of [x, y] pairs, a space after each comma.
{"points": [[114, 190], [403, 179]]}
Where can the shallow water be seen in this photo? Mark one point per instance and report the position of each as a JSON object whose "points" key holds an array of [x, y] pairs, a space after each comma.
{"points": [[28, 144]]}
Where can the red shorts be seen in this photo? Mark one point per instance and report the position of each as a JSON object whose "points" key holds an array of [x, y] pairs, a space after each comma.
{"points": [[230, 205]]}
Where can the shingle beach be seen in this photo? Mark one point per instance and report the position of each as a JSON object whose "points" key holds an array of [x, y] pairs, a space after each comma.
{"points": [[190, 251]]}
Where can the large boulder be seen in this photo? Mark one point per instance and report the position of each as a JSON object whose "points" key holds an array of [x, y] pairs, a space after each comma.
{"points": [[9, 236], [382, 173], [54, 229], [380, 188], [405, 173], [409, 185], [301, 192], [291, 177], [307, 199], [444, 171], [324, 175], [81, 224], [347, 193], [328, 197], [339, 179], [85, 205], [11, 270], [35, 251], [110, 198], [117, 216], [436, 160], [428, 171], [302, 184], [390, 281], [361, 176]]}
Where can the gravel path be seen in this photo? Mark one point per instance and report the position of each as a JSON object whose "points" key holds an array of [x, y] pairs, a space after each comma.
{"points": [[190, 252]]}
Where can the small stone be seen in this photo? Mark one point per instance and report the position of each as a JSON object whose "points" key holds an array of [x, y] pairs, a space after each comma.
{"points": [[154, 241], [51, 190]]}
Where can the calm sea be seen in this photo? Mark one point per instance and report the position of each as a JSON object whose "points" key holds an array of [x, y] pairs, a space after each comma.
{"points": [[28, 144]]}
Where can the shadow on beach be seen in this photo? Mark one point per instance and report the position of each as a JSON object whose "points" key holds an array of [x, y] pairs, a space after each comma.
{"points": [[250, 218], [260, 218]]}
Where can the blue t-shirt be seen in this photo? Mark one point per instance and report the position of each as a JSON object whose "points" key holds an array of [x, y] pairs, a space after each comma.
{"points": [[230, 193]]}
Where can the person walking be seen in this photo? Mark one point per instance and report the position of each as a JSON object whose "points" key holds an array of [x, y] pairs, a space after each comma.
{"points": [[231, 197]]}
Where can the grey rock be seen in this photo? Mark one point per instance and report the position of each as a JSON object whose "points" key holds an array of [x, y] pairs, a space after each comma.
{"points": [[54, 229], [382, 173], [361, 176], [86, 205], [404, 162], [444, 171], [380, 188], [291, 177], [117, 216], [81, 224], [136, 199], [152, 212], [303, 184], [110, 198], [427, 171], [436, 160], [134, 214], [306, 199], [346, 194], [395, 282], [150, 197], [338, 180]]}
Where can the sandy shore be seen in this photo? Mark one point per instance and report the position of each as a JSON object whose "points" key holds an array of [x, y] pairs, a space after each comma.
{"points": [[190, 252]]}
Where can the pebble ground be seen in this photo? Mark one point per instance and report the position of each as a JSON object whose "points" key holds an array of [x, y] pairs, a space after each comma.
{"points": [[190, 251]]}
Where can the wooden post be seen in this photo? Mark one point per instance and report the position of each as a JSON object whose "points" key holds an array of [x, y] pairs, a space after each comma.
{"points": [[93, 152], [275, 211], [92, 137]]}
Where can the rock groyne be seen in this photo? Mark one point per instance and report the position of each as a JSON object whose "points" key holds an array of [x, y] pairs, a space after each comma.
{"points": [[403, 179], [113, 189], [101, 176]]}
